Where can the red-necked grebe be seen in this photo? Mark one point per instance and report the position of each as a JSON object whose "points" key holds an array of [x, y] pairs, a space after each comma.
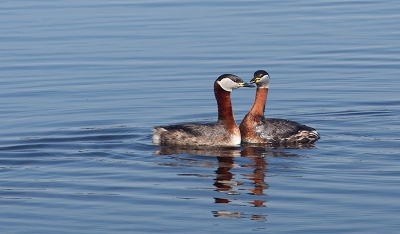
{"points": [[224, 133], [255, 128]]}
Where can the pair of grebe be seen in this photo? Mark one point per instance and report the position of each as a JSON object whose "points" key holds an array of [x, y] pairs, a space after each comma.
{"points": [[255, 128]]}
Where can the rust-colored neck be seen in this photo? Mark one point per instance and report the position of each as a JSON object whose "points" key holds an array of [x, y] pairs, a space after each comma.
{"points": [[225, 111], [259, 104]]}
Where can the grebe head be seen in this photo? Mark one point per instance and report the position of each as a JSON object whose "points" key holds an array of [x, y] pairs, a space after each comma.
{"points": [[230, 82], [261, 78]]}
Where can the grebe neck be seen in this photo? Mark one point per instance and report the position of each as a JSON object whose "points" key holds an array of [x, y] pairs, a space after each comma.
{"points": [[259, 104], [225, 110]]}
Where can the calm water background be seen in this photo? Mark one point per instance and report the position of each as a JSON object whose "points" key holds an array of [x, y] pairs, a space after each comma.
{"points": [[82, 83]]}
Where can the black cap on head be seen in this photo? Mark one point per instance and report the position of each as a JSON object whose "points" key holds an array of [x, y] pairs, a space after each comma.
{"points": [[234, 78], [260, 73]]}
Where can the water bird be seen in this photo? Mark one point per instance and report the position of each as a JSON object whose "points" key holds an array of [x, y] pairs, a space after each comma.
{"points": [[255, 128], [224, 133]]}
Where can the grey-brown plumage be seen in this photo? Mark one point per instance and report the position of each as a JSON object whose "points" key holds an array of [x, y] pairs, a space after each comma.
{"points": [[194, 134], [275, 130]]}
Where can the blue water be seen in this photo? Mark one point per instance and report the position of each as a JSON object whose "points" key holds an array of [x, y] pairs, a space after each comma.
{"points": [[82, 83]]}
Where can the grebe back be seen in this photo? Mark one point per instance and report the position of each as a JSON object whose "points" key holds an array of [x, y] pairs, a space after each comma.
{"points": [[224, 133], [255, 128]]}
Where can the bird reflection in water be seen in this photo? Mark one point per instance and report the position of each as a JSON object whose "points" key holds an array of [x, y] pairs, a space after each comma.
{"points": [[226, 182]]}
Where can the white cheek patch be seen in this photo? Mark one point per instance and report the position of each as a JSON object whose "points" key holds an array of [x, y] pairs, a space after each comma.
{"points": [[264, 81], [228, 84]]}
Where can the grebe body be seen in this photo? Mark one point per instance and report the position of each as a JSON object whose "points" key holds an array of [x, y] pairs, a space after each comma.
{"points": [[255, 128], [224, 133]]}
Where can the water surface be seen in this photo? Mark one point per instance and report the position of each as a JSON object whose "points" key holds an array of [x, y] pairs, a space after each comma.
{"points": [[83, 83]]}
